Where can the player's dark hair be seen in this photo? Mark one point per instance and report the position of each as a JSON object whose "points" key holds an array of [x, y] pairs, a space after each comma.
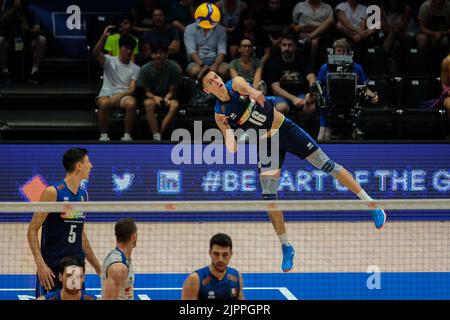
{"points": [[127, 41], [222, 240], [72, 157], [124, 229], [70, 261], [203, 72]]}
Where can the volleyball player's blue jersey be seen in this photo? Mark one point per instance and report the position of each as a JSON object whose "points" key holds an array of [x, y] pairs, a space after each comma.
{"points": [[212, 288], [62, 233], [56, 295], [245, 113]]}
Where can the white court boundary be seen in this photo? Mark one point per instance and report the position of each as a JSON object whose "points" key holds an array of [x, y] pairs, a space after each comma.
{"points": [[283, 290], [220, 206]]}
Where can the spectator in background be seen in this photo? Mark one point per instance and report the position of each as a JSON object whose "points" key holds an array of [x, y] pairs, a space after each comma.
{"points": [[247, 66], [119, 82], [290, 77], [142, 13], [161, 33], [182, 14], [205, 47], [274, 21], [230, 12], [352, 22], [248, 28], [21, 28], [434, 24], [160, 79], [313, 20], [396, 16], [112, 42]]}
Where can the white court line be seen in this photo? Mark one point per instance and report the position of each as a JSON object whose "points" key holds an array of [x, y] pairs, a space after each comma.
{"points": [[283, 290]]}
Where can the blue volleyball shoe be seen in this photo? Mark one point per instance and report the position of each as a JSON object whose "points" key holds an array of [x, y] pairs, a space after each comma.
{"points": [[379, 217], [288, 257]]}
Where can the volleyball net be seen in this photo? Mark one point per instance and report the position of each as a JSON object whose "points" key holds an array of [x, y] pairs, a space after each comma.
{"points": [[337, 246]]}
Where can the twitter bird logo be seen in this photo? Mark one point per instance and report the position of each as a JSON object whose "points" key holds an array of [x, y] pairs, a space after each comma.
{"points": [[122, 182]]}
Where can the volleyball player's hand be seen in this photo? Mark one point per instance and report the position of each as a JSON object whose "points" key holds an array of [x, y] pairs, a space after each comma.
{"points": [[46, 276], [222, 119], [258, 96]]}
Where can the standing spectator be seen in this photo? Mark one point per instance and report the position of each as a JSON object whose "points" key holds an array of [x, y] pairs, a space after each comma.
{"points": [[274, 21], [21, 28], [182, 14], [230, 12], [161, 33], [352, 21], [247, 66], [290, 77], [396, 16], [248, 28], [142, 13], [160, 79], [434, 24], [313, 20], [112, 42], [205, 47], [119, 82]]}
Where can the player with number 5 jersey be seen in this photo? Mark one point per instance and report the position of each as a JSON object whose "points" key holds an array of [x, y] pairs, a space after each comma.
{"points": [[63, 233], [240, 106]]}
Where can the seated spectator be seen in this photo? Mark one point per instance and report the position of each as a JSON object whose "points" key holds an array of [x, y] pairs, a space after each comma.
{"points": [[352, 22], [247, 28], [112, 42], [21, 29], [340, 47], [434, 24], [230, 12], [72, 276], [160, 79], [182, 14], [247, 66], [290, 77], [120, 75], [143, 15], [205, 47], [274, 21], [395, 21], [161, 33], [313, 20]]}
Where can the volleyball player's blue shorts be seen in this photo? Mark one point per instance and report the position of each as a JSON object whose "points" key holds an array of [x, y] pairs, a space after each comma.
{"points": [[292, 139]]}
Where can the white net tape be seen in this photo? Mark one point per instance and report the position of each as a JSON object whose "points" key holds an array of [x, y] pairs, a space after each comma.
{"points": [[220, 206]]}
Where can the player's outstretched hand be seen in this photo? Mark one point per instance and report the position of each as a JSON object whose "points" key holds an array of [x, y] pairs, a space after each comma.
{"points": [[258, 96], [46, 276]]}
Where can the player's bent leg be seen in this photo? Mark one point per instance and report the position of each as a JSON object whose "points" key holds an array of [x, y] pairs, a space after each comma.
{"points": [[321, 161], [269, 183]]}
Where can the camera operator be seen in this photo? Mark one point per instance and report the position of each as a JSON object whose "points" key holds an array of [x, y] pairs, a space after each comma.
{"points": [[340, 47]]}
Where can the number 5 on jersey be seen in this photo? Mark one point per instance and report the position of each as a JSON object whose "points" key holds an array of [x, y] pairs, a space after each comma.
{"points": [[72, 234]]}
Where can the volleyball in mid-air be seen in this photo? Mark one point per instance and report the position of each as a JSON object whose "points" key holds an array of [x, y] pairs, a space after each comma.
{"points": [[207, 15]]}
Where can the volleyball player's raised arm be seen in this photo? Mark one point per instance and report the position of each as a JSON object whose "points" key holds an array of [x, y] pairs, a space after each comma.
{"points": [[240, 85], [44, 273]]}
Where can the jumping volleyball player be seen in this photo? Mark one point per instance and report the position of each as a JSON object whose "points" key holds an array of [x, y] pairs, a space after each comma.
{"points": [[237, 102]]}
